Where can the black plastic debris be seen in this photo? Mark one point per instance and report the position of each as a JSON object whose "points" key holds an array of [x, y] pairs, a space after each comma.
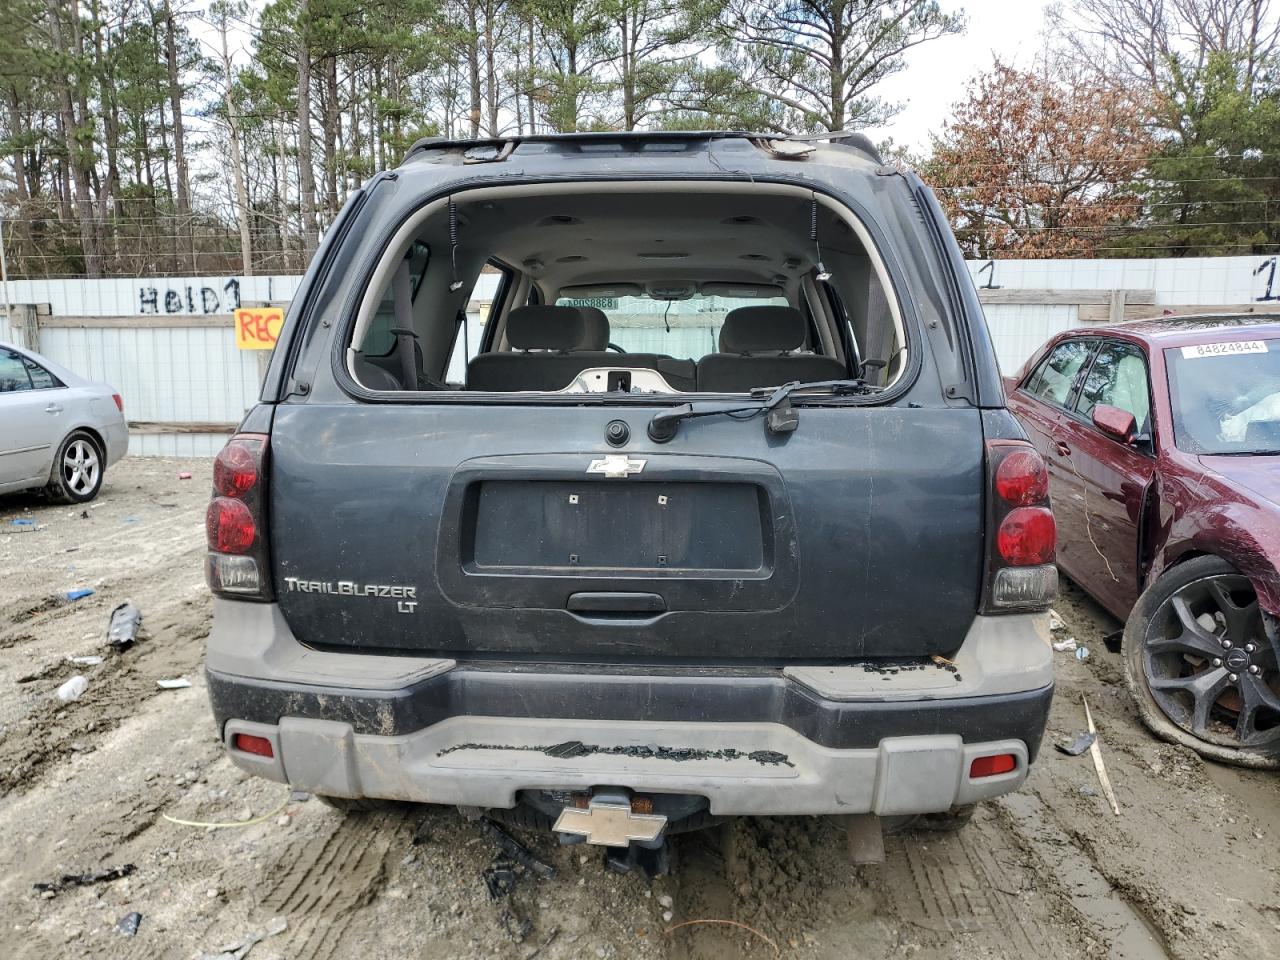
{"points": [[570, 748], [515, 926], [123, 627], [500, 877], [127, 926], [85, 879], [1077, 745], [516, 850]]}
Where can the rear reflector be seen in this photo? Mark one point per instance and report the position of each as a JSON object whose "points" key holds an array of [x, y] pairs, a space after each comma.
{"points": [[992, 766], [260, 746], [119, 402]]}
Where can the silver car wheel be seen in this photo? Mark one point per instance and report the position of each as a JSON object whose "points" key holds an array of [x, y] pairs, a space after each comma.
{"points": [[80, 467]]}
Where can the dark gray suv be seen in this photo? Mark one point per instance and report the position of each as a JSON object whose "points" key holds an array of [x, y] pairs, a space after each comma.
{"points": [[714, 508]]}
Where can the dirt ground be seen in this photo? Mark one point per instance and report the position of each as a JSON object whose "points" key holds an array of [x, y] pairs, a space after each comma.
{"points": [[1189, 869]]}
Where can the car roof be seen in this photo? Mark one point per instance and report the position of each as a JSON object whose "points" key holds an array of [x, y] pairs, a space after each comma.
{"points": [[1177, 331]]}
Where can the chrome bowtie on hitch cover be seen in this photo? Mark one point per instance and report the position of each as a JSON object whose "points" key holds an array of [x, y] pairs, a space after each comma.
{"points": [[610, 820]]}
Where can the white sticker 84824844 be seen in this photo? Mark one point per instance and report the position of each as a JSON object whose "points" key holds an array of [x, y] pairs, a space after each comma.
{"points": [[1200, 350]]}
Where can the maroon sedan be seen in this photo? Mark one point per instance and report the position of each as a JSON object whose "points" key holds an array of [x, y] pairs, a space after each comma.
{"points": [[1162, 440]]}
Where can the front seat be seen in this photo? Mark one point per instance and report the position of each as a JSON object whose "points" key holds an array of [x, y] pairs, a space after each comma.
{"points": [[756, 345], [548, 344]]}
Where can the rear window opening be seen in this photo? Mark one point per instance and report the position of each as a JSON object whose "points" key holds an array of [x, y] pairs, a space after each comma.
{"points": [[627, 289]]}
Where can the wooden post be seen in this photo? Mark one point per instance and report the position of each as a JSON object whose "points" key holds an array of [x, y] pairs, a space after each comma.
{"points": [[1117, 306], [26, 325]]}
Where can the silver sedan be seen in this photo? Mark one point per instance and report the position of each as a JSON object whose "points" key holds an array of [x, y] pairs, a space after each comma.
{"points": [[58, 431]]}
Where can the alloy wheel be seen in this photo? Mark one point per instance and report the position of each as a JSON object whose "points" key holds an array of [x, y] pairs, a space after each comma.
{"points": [[80, 467], [1212, 663]]}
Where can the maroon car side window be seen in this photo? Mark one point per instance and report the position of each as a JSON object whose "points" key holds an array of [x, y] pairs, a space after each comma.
{"points": [[1118, 378], [1057, 372]]}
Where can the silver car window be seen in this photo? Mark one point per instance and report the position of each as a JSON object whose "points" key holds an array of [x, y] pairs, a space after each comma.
{"points": [[13, 373]]}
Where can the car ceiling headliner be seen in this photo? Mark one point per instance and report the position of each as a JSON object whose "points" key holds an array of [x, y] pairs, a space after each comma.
{"points": [[631, 238]]}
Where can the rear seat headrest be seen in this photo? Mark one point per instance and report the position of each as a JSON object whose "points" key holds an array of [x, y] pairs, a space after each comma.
{"points": [[548, 327], [597, 335], [763, 329]]}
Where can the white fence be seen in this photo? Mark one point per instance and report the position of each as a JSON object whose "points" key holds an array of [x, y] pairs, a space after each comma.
{"points": [[186, 369]]}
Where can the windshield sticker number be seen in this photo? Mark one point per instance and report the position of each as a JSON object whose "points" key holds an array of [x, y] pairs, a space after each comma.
{"points": [[1201, 350]]}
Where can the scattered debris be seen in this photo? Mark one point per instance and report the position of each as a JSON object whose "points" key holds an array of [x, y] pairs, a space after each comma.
{"points": [[1082, 653], [238, 950], [500, 877], [1078, 744], [184, 475], [1096, 752], [122, 628], [1055, 621], [299, 796], [73, 689], [942, 661], [516, 850], [85, 879], [89, 661], [84, 514], [248, 820], [78, 594], [22, 526], [127, 926], [1112, 640], [128, 519], [1065, 646], [777, 951], [180, 683], [516, 926], [550, 939]]}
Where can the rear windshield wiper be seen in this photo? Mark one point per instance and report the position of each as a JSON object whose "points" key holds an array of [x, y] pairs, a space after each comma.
{"points": [[773, 402]]}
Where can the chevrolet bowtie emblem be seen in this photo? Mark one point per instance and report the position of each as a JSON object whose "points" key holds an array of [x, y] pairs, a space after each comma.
{"points": [[610, 824], [616, 466]]}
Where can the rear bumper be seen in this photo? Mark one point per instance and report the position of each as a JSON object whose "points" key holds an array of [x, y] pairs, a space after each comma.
{"points": [[826, 740]]}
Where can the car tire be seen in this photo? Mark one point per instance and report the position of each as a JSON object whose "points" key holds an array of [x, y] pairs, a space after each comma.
{"points": [[1172, 687], [78, 469]]}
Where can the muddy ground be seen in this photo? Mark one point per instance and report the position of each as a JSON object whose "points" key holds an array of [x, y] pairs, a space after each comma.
{"points": [[1189, 869]]}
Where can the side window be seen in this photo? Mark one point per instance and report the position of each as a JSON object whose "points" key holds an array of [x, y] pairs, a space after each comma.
{"points": [[1053, 379], [470, 332], [1118, 378], [41, 379], [13, 373], [379, 341]]}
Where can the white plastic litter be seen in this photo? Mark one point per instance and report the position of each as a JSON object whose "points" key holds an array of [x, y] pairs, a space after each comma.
{"points": [[1055, 621], [1065, 646], [90, 661], [73, 689], [177, 684]]}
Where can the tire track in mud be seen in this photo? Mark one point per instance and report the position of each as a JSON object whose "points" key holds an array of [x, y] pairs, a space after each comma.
{"points": [[321, 883], [118, 689]]}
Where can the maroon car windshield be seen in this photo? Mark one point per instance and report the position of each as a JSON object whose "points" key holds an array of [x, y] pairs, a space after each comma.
{"points": [[1226, 396]]}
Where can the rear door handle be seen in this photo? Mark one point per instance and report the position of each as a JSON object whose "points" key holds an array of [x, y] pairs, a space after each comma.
{"points": [[53, 408], [1063, 449], [602, 602]]}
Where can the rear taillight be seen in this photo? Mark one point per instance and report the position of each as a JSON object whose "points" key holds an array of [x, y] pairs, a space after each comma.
{"points": [[1021, 530], [235, 523], [119, 402]]}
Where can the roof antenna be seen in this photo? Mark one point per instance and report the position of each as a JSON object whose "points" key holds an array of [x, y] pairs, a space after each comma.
{"points": [[456, 285], [813, 235]]}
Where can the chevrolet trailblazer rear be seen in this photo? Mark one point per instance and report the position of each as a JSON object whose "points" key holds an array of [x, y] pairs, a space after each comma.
{"points": [[615, 484]]}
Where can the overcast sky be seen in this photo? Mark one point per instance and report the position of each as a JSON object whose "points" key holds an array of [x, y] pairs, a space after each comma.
{"points": [[937, 71]]}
